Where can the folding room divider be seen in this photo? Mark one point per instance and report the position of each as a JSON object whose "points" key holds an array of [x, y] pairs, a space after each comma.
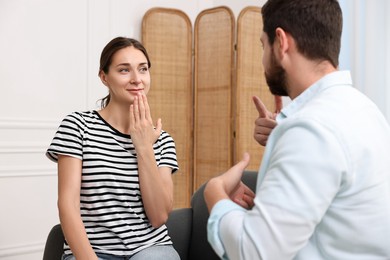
{"points": [[167, 35], [214, 62], [250, 81], [202, 88]]}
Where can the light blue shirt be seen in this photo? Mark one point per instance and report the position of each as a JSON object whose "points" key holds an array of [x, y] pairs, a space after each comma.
{"points": [[323, 189]]}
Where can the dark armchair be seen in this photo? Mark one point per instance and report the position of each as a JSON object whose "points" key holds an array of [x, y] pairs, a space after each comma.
{"points": [[186, 227]]}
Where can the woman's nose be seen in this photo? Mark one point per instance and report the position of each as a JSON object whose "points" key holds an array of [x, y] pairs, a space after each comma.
{"points": [[135, 79]]}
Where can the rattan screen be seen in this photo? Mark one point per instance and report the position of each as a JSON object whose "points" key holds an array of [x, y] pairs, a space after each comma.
{"points": [[167, 35], [219, 107], [214, 59], [250, 82]]}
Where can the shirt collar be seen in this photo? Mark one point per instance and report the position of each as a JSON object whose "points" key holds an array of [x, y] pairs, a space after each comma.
{"points": [[330, 80]]}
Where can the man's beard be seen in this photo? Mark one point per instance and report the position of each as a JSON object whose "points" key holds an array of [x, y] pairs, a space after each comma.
{"points": [[276, 78]]}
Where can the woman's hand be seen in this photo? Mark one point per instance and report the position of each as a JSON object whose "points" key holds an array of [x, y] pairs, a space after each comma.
{"points": [[156, 183], [142, 131]]}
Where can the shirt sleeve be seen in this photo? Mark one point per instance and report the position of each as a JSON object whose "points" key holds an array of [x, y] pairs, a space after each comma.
{"points": [[213, 227], [168, 152], [298, 185], [68, 138]]}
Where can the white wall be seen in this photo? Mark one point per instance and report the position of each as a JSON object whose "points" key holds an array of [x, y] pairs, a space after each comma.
{"points": [[49, 58], [365, 50]]}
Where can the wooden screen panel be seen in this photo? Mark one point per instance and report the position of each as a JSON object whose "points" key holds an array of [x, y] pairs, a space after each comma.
{"points": [[167, 36], [214, 58], [250, 82]]}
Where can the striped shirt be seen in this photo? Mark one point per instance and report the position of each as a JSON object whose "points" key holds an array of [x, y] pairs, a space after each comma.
{"points": [[110, 199]]}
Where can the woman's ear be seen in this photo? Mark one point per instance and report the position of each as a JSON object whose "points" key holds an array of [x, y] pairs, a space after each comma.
{"points": [[103, 77]]}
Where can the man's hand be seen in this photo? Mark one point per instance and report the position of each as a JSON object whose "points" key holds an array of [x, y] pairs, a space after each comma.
{"points": [[229, 186], [266, 120]]}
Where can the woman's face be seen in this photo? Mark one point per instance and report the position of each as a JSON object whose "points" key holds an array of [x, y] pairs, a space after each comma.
{"points": [[127, 76]]}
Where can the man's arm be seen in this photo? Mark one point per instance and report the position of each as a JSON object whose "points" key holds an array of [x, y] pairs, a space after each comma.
{"points": [[295, 190]]}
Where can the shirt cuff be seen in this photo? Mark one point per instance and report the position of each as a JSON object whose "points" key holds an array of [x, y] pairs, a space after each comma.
{"points": [[220, 209]]}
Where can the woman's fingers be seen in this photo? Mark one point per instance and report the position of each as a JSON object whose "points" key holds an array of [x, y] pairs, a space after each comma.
{"points": [[132, 117], [148, 116], [136, 110], [159, 126], [141, 111], [141, 101], [141, 122]]}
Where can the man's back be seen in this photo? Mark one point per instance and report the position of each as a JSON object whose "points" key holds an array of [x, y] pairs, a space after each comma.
{"points": [[345, 196], [323, 188]]}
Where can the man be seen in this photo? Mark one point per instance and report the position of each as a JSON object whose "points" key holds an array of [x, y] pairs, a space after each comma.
{"points": [[323, 188]]}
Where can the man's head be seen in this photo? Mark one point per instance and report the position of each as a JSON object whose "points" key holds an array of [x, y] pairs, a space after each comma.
{"points": [[315, 25], [276, 76]]}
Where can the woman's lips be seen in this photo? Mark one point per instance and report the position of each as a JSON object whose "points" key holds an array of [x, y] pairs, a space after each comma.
{"points": [[135, 90]]}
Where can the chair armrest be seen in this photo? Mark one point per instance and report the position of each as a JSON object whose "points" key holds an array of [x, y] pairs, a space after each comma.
{"points": [[179, 226], [249, 178], [54, 247]]}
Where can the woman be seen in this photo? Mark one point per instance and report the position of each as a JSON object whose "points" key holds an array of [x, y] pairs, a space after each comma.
{"points": [[115, 189]]}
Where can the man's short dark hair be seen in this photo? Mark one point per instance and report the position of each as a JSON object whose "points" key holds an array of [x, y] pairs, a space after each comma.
{"points": [[315, 25]]}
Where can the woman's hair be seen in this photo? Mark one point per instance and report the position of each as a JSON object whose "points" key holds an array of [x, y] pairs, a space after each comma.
{"points": [[108, 52], [315, 25]]}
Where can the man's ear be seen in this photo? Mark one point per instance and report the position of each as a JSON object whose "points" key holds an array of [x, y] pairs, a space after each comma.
{"points": [[102, 77], [282, 43]]}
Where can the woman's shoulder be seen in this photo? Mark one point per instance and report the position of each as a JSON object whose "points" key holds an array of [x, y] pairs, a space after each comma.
{"points": [[165, 138], [82, 115], [164, 134], [81, 118]]}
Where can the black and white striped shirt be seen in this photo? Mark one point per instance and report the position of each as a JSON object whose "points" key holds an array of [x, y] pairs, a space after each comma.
{"points": [[110, 200]]}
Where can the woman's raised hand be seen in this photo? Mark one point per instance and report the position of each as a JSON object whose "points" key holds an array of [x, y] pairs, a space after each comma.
{"points": [[142, 131]]}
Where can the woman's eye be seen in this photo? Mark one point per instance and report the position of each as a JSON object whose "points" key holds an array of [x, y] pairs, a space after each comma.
{"points": [[143, 69], [123, 70]]}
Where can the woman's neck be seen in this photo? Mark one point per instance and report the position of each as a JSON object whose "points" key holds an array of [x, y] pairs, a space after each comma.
{"points": [[117, 116]]}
